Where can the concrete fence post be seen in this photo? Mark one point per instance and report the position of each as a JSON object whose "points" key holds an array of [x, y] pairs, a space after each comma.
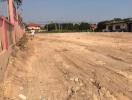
{"points": [[5, 34]]}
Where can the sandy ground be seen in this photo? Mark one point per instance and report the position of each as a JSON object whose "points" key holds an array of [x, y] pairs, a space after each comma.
{"points": [[71, 66]]}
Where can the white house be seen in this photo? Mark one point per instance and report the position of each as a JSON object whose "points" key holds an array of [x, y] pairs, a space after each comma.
{"points": [[33, 26], [119, 25]]}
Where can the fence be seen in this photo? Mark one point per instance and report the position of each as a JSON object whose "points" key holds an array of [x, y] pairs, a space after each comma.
{"points": [[6, 42], [9, 35], [6, 33], [1, 35]]}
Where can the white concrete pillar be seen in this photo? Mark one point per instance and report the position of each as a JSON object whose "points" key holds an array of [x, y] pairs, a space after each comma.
{"points": [[11, 11], [107, 27], [114, 27]]}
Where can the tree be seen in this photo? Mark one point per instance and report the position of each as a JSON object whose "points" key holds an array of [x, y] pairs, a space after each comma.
{"points": [[84, 26], [101, 26], [76, 27], [67, 26], [117, 19], [51, 27], [18, 2]]}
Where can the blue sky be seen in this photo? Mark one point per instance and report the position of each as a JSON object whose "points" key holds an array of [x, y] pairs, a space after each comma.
{"points": [[75, 10]]}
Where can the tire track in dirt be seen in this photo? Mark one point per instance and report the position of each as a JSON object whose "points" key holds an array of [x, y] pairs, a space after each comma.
{"points": [[77, 67], [98, 73], [110, 70], [117, 51], [107, 55], [87, 80]]}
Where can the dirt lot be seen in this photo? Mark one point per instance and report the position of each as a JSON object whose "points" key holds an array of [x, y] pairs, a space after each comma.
{"points": [[71, 66]]}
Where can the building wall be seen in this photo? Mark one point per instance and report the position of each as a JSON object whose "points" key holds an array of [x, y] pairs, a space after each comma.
{"points": [[122, 26], [35, 28]]}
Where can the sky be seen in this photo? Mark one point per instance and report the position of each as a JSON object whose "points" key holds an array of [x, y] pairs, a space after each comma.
{"points": [[42, 11]]}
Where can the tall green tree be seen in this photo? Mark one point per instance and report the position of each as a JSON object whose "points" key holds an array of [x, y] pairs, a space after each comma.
{"points": [[18, 2], [84, 26], [76, 27], [101, 26]]}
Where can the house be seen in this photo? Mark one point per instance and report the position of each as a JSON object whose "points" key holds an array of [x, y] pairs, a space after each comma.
{"points": [[33, 26], [119, 25], [93, 27]]}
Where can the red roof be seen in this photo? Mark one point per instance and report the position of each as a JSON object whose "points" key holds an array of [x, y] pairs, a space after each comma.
{"points": [[33, 25], [93, 26]]}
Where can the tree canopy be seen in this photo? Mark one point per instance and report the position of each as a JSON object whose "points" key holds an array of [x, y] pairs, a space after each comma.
{"points": [[18, 2], [67, 27]]}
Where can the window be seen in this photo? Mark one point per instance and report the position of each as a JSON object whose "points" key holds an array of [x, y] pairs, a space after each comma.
{"points": [[110, 28], [118, 27]]}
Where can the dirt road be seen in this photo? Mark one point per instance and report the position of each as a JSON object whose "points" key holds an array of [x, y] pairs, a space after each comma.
{"points": [[72, 66]]}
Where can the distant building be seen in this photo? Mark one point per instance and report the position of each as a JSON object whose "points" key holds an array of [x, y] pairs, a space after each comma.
{"points": [[121, 25], [33, 26], [93, 27]]}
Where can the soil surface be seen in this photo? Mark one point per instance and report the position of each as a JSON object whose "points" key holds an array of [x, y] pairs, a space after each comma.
{"points": [[71, 66]]}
